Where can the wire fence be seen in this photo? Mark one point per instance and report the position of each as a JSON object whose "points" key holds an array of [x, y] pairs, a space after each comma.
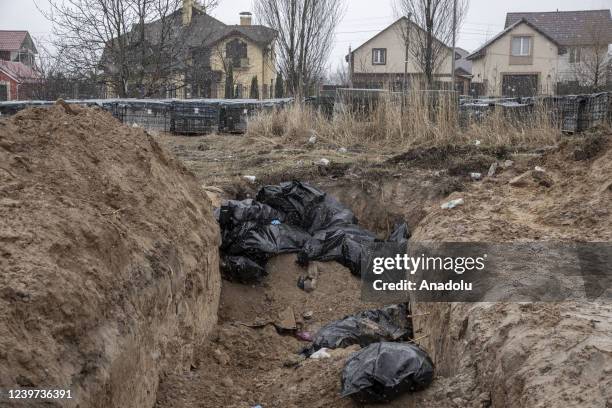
{"points": [[180, 116], [572, 113]]}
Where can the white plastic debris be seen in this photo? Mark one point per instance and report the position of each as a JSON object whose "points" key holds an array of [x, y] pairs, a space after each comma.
{"points": [[250, 179], [322, 162], [452, 204], [312, 139], [321, 353], [342, 150], [538, 168], [475, 176], [477, 142]]}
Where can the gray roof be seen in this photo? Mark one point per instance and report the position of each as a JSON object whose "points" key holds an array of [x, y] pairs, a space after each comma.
{"points": [[463, 63], [207, 30], [583, 27], [204, 31]]}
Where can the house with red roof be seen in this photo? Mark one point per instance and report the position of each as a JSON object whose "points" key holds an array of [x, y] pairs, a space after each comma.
{"points": [[17, 64]]}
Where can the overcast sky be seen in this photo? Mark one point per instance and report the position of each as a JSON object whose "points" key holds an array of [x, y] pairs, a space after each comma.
{"points": [[362, 20]]}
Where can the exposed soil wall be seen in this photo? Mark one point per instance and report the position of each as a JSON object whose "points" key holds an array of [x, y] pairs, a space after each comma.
{"points": [[108, 258], [529, 354]]}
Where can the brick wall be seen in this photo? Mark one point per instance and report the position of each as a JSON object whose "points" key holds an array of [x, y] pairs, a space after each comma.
{"points": [[5, 79]]}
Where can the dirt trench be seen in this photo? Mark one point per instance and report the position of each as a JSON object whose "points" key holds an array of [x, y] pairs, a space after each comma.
{"points": [[486, 355], [110, 284], [244, 366]]}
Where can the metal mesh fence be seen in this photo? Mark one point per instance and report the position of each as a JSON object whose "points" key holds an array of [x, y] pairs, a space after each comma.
{"points": [[152, 115], [194, 117], [573, 113], [189, 116]]}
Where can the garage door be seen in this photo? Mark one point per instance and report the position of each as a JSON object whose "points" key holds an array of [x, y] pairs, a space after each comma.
{"points": [[519, 85], [3, 92]]}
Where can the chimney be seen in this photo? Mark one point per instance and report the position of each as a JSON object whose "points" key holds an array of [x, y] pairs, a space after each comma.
{"points": [[245, 18], [187, 11]]}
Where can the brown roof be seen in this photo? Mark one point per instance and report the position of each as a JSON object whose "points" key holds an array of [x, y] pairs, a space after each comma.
{"points": [[18, 71], [583, 27], [11, 40]]}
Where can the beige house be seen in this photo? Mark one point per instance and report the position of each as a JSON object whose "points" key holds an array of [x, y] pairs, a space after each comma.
{"points": [[379, 62], [247, 50], [541, 53], [202, 54]]}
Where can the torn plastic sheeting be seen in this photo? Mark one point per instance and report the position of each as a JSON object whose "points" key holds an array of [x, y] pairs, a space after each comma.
{"points": [[235, 212], [383, 371], [241, 269], [389, 323]]}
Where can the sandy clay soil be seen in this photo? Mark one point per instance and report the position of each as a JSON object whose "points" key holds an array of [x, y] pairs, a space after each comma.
{"points": [[486, 354], [110, 284]]}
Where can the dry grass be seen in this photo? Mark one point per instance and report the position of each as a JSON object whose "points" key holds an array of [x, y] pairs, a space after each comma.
{"points": [[388, 126]]}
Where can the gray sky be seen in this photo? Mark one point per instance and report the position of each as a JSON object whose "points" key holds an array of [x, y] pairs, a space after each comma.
{"points": [[362, 20]]}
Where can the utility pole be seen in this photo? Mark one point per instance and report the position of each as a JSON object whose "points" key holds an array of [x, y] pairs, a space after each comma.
{"points": [[350, 67], [454, 43], [406, 44]]}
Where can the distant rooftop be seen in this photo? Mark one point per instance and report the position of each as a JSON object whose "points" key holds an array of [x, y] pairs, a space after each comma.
{"points": [[11, 40], [569, 27]]}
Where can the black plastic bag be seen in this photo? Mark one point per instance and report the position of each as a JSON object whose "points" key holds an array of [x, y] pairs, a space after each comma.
{"points": [[235, 212], [241, 269], [327, 215], [260, 242], [383, 371], [344, 245], [400, 234], [293, 198], [389, 323], [229, 236], [296, 217]]}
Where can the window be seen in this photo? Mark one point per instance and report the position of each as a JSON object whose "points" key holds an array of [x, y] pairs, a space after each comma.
{"points": [[236, 52], [521, 46], [379, 56], [574, 55]]}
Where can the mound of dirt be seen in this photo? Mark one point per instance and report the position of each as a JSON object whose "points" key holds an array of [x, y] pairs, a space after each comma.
{"points": [[536, 354], [109, 259]]}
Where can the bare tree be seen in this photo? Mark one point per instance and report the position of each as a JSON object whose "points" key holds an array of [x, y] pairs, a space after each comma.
{"points": [[591, 64], [306, 32], [341, 75], [427, 31], [133, 46]]}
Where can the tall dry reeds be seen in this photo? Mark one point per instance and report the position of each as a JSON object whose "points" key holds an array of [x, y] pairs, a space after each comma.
{"points": [[421, 119]]}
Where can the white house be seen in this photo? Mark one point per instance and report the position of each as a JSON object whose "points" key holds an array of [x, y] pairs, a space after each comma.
{"points": [[541, 53]]}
